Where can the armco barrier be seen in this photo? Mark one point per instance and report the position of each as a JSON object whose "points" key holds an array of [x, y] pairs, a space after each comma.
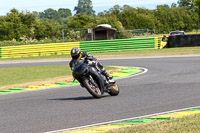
{"points": [[37, 50], [117, 45]]}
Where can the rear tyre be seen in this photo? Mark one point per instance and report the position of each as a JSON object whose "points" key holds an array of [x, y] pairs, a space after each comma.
{"points": [[94, 90], [114, 90]]}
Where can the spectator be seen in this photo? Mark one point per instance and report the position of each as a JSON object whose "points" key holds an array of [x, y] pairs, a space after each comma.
{"points": [[164, 39]]}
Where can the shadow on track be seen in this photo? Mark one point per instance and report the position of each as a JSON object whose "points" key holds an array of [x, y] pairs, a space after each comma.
{"points": [[77, 98]]}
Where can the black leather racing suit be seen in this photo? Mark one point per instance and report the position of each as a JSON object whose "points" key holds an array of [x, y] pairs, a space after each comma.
{"points": [[98, 65]]}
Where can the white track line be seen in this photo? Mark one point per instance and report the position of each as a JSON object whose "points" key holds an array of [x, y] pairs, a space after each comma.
{"points": [[103, 123], [145, 71]]}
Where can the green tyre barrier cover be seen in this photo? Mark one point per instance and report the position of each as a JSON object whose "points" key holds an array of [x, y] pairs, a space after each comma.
{"points": [[117, 45]]}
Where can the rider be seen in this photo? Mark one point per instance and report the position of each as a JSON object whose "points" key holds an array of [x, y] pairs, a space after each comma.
{"points": [[76, 54]]}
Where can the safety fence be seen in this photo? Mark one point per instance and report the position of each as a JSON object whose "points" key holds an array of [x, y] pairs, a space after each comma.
{"points": [[89, 46]]}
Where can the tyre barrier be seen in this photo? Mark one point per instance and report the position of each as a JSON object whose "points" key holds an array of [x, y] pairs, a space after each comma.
{"points": [[123, 72], [89, 46]]}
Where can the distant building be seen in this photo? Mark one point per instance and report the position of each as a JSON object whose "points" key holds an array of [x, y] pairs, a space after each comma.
{"points": [[102, 32]]}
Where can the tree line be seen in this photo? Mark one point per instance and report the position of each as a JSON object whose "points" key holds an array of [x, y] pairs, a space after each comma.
{"points": [[183, 15]]}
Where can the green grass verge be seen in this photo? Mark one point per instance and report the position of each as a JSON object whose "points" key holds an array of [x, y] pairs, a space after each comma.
{"points": [[147, 52], [190, 124], [16, 75]]}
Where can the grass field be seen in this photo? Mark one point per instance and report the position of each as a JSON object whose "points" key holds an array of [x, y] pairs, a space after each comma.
{"points": [[19, 75], [14, 75], [190, 124]]}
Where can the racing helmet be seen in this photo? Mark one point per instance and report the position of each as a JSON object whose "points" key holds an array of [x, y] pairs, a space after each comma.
{"points": [[76, 53]]}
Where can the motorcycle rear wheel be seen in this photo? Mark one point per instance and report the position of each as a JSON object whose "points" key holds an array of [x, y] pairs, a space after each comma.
{"points": [[94, 91], [114, 90]]}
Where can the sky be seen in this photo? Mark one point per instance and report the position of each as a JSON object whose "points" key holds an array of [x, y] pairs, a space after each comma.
{"points": [[98, 5]]}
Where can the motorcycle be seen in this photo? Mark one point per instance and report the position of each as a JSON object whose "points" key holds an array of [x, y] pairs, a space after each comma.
{"points": [[91, 78]]}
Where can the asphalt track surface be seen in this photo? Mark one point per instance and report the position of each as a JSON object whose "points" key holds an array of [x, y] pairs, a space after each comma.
{"points": [[171, 83]]}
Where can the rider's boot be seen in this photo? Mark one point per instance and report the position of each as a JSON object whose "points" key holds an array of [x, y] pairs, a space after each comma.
{"points": [[103, 71], [108, 77]]}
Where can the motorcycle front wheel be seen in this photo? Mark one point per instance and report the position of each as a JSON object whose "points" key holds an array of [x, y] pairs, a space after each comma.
{"points": [[92, 88], [114, 90]]}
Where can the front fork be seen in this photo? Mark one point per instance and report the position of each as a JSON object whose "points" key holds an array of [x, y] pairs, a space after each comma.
{"points": [[91, 80]]}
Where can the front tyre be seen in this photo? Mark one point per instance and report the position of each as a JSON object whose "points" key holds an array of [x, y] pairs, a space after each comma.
{"points": [[114, 90], [92, 88]]}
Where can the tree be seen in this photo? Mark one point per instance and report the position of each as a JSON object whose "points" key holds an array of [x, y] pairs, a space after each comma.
{"points": [[197, 3], [50, 14], [173, 5], [132, 18], [28, 18], [185, 3], [175, 18], [64, 13], [16, 25], [115, 10], [80, 21], [60, 16], [84, 6], [193, 5]]}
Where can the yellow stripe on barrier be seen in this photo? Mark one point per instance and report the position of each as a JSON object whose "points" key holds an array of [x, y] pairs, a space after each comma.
{"points": [[159, 44], [158, 41]]}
